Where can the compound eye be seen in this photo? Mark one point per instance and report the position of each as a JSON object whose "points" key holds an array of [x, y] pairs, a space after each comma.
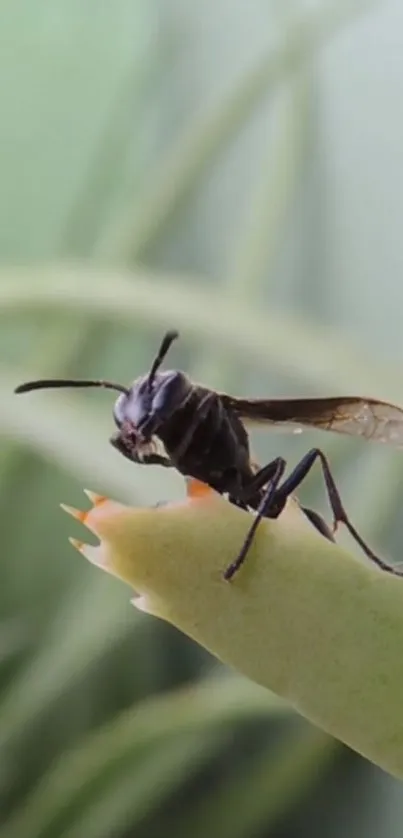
{"points": [[120, 410]]}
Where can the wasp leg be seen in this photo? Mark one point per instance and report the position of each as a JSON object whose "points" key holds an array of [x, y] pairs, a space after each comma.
{"points": [[250, 496], [318, 523], [154, 460], [150, 459], [270, 474], [260, 479], [247, 494], [339, 513]]}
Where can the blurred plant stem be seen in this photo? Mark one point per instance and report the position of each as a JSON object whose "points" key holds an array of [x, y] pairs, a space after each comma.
{"points": [[272, 784], [252, 257], [110, 162], [207, 709], [289, 342], [260, 235], [60, 346], [181, 170]]}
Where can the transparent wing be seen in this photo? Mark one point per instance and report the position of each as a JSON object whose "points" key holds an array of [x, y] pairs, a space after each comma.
{"points": [[368, 418]]}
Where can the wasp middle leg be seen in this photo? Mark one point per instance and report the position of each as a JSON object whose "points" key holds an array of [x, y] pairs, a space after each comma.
{"points": [[275, 497]]}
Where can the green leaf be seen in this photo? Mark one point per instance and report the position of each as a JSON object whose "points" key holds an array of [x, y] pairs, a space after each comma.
{"points": [[301, 617]]}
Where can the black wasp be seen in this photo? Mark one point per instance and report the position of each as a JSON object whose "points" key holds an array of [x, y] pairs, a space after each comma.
{"points": [[204, 436]]}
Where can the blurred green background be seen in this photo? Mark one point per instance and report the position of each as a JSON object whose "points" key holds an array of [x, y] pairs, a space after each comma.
{"points": [[233, 170]]}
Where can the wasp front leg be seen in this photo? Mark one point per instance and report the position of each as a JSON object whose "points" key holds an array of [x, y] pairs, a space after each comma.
{"points": [[269, 477], [142, 455]]}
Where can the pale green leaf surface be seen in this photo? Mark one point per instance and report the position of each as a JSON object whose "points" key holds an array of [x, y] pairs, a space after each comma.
{"points": [[302, 617]]}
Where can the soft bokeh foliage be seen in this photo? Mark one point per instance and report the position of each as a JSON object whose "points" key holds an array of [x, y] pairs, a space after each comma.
{"points": [[230, 169]]}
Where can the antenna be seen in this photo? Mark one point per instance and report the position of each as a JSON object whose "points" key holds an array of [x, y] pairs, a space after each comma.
{"points": [[45, 383], [167, 340]]}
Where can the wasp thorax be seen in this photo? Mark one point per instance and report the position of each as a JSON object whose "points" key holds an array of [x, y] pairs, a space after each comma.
{"points": [[149, 403]]}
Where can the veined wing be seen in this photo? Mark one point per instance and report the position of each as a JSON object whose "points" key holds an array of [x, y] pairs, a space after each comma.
{"points": [[369, 418]]}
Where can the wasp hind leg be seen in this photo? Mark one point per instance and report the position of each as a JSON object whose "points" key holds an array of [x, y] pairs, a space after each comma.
{"points": [[339, 513], [318, 522], [275, 498]]}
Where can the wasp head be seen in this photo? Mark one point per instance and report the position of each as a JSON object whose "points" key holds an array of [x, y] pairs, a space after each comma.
{"points": [[141, 410], [144, 409]]}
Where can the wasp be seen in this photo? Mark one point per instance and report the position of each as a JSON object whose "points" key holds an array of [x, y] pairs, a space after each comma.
{"points": [[165, 419]]}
